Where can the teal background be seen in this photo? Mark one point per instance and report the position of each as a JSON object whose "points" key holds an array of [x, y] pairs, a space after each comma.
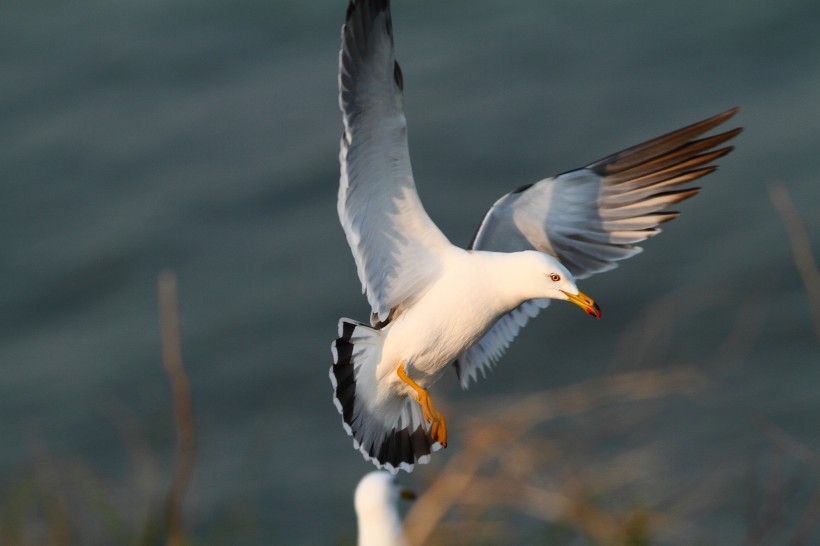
{"points": [[203, 137]]}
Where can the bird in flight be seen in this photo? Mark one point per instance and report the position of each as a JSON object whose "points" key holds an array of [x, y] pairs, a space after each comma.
{"points": [[435, 304]]}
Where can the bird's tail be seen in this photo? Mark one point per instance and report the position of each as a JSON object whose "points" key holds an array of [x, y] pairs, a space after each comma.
{"points": [[389, 430]]}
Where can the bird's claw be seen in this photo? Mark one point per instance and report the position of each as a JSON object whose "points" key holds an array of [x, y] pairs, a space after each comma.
{"points": [[438, 425]]}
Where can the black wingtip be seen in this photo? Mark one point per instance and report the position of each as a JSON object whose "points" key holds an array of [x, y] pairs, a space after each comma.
{"points": [[377, 5], [401, 449], [665, 144], [397, 76]]}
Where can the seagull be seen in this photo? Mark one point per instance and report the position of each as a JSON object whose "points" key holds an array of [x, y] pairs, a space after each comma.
{"points": [[376, 501], [435, 304]]}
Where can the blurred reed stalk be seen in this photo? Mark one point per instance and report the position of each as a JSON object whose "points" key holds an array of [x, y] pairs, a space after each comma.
{"points": [[776, 518], [498, 464], [183, 412], [801, 247]]}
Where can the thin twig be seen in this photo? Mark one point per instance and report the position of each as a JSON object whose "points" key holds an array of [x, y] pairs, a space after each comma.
{"points": [[183, 414], [490, 436], [801, 248], [808, 456], [809, 520], [792, 445]]}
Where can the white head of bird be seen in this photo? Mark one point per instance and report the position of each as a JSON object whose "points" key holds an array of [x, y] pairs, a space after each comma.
{"points": [[376, 501], [543, 276]]}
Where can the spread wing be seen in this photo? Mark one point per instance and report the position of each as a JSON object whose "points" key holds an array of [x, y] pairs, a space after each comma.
{"points": [[592, 217], [397, 247], [489, 349]]}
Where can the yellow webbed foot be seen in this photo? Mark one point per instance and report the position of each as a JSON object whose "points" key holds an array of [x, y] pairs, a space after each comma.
{"points": [[438, 428]]}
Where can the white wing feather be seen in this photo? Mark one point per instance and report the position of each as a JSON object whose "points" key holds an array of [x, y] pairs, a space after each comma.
{"points": [[397, 247]]}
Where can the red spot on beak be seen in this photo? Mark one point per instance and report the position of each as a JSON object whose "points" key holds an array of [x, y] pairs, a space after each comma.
{"points": [[594, 311], [584, 302]]}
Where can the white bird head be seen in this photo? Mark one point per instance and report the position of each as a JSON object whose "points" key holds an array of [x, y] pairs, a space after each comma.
{"points": [[560, 284], [376, 501]]}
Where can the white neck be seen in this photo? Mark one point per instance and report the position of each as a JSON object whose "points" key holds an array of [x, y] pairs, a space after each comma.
{"points": [[380, 526]]}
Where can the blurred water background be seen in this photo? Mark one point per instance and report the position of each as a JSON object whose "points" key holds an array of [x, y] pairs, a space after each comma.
{"points": [[203, 137]]}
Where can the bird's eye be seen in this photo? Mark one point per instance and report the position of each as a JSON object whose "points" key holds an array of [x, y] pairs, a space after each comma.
{"points": [[555, 277]]}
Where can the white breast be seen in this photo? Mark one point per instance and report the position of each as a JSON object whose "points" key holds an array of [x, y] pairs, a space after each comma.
{"points": [[451, 316]]}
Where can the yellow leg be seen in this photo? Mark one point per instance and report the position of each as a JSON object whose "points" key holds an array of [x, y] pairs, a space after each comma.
{"points": [[438, 430]]}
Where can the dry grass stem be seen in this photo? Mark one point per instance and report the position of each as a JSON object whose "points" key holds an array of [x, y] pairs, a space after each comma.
{"points": [[801, 248], [790, 444], [183, 413], [495, 441]]}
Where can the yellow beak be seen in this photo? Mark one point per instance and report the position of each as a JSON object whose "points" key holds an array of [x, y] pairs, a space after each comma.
{"points": [[584, 302]]}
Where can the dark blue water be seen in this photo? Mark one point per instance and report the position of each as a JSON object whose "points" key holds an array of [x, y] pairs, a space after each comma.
{"points": [[203, 137]]}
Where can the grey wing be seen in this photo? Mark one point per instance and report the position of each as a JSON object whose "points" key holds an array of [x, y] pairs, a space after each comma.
{"points": [[591, 218], [482, 356], [396, 246]]}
